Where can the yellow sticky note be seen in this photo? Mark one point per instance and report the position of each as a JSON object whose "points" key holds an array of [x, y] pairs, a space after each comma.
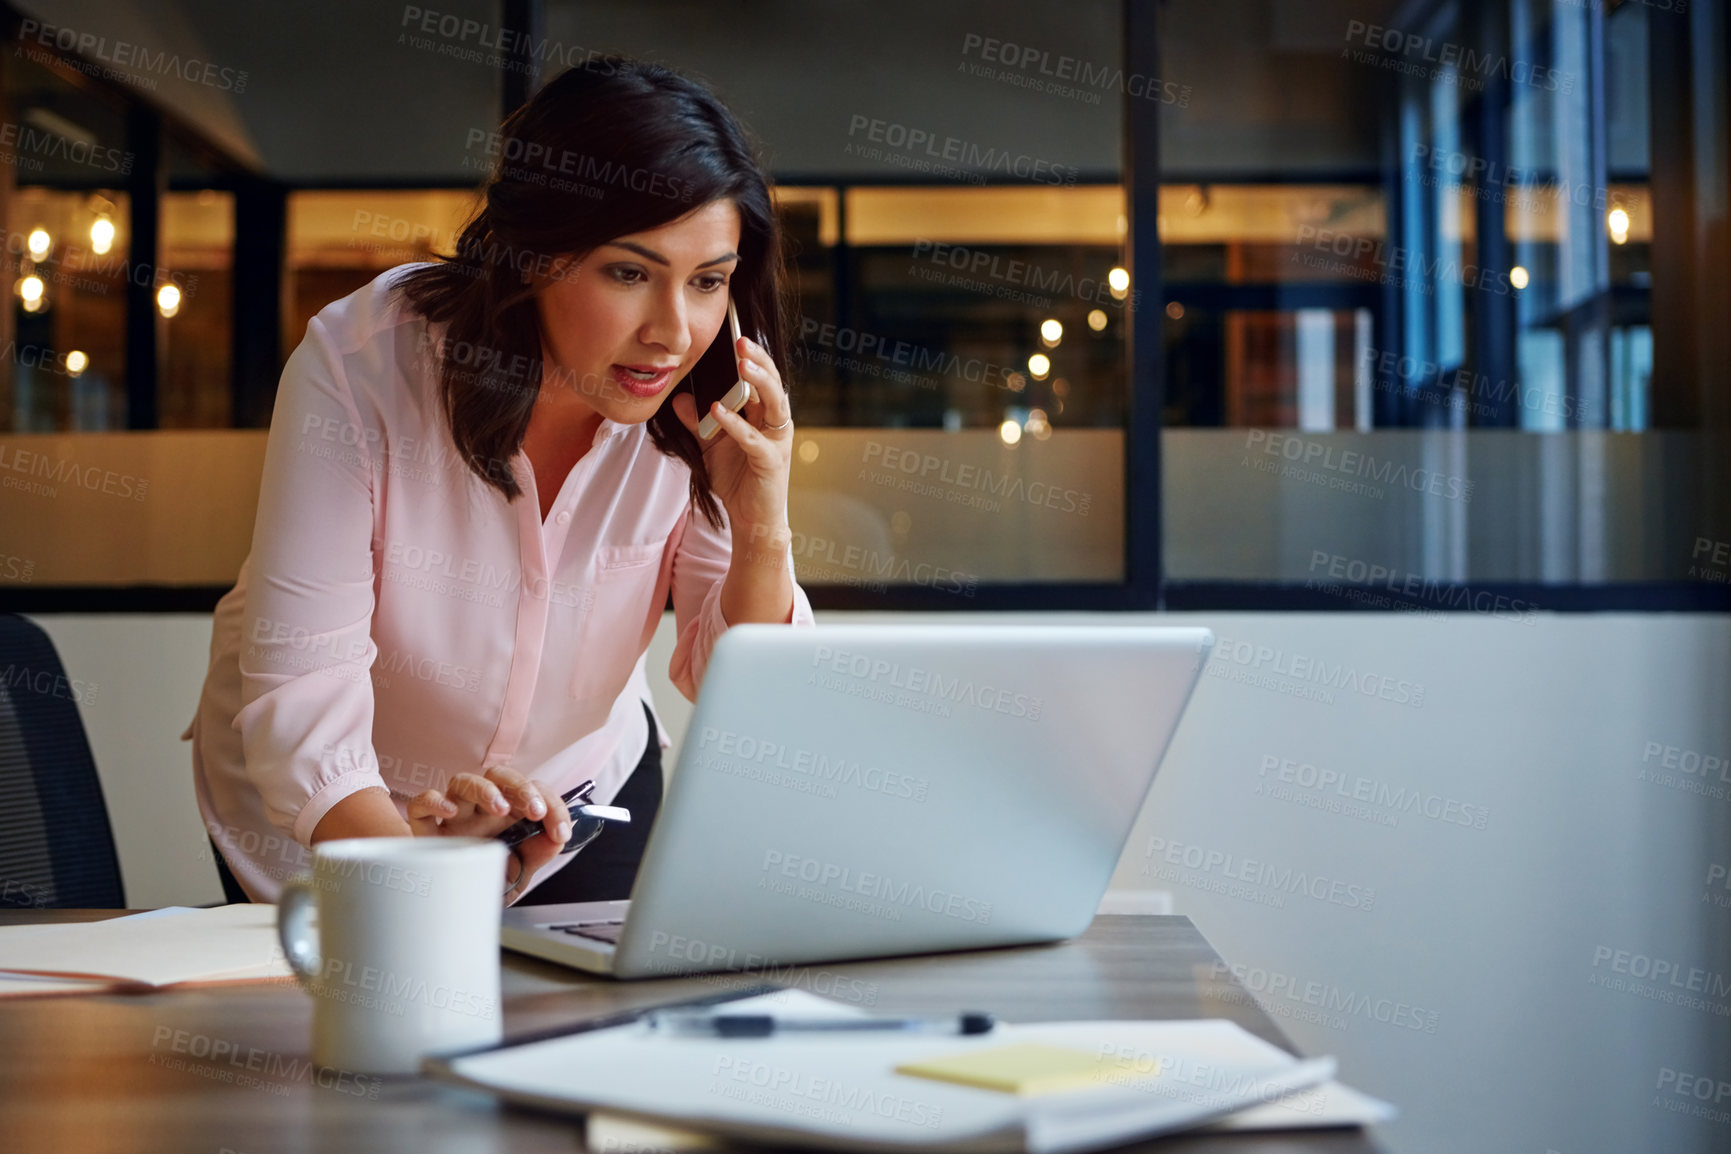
{"points": [[1026, 1068]]}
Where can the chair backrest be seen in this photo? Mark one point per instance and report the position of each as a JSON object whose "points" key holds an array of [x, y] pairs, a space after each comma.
{"points": [[56, 848]]}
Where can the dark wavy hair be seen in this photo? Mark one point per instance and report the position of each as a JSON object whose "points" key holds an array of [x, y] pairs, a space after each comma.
{"points": [[606, 149]]}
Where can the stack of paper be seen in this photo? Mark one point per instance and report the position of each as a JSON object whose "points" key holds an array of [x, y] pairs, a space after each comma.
{"points": [[169, 947], [1048, 1087]]}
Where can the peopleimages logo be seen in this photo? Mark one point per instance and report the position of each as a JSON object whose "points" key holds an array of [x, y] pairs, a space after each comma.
{"points": [[824, 875], [1718, 554], [1322, 788], [1418, 591], [914, 679], [1077, 74], [1689, 770], [387, 990], [843, 339], [1717, 875], [1279, 880], [47, 683], [229, 1062], [1702, 1088], [794, 1091], [391, 877], [836, 562], [750, 967], [1531, 189], [39, 142], [1395, 264], [1661, 980], [994, 265], [1327, 997], [59, 471], [1462, 388], [536, 163], [1344, 467], [1413, 54], [1261, 660], [917, 468], [931, 146], [748, 755], [132, 58], [428, 669]]}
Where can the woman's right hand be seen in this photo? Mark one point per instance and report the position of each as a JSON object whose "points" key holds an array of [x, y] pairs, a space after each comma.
{"points": [[482, 805]]}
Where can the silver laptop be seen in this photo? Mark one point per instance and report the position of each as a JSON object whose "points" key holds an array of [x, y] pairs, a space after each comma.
{"points": [[856, 791]]}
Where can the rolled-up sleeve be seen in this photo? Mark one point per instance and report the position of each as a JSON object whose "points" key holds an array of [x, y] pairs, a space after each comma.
{"points": [[700, 567], [306, 717]]}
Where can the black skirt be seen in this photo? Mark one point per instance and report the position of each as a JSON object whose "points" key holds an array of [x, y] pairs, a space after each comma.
{"points": [[605, 869]]}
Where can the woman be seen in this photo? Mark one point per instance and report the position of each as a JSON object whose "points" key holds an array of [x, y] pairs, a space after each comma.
{"points": [[482, 482]]}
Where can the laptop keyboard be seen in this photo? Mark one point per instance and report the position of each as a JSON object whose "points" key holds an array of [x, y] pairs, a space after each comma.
{"points": [[600, 931]]}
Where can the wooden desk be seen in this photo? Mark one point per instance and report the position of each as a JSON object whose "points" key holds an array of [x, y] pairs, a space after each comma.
{"points": [[204, 1071]]}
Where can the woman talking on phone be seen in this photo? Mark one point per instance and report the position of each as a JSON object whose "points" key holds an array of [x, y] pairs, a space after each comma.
{"points": [[483, 480]]}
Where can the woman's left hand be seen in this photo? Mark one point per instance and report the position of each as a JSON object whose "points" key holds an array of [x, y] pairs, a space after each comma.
{"points": [[749, 458]]}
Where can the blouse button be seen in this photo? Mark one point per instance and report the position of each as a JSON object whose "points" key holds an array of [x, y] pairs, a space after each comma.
{"points": [[564, 518]]}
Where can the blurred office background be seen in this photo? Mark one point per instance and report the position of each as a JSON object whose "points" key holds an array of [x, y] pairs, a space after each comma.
{"points": [[1388, 338]]}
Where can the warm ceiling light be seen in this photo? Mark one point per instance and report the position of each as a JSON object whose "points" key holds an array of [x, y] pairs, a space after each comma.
{"points": [[808, 451], [30, 288], [76, 362], [1051, 332], [39, 242], [1097, 319], [1039, 365], [102, 235], [1175, 311], [1518, 277], [1617, 223], [168, 300], [1010, 432], [1118, 280]]}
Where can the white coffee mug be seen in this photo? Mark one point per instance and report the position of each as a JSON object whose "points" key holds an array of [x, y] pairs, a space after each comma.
{"points": [[406, 960]]}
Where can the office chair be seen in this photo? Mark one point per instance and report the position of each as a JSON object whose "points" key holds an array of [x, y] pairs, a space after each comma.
{"points": [[56, 847]]}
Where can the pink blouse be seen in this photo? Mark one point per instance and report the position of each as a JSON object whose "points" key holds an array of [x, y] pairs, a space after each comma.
{"points": [[399, 621]]}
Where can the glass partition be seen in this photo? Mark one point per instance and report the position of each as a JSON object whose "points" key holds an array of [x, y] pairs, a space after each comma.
{"points": [[340, 240], [966, 418], [1423, 346], [68, 297], [66, 167], [956, 238], [195, 310]]}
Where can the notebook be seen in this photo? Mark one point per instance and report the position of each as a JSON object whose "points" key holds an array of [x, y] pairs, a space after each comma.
{"points": [[843, 1091], [159, 949]]}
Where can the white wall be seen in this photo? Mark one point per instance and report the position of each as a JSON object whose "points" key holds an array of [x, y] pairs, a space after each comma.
{"points": [[1494, 931]]}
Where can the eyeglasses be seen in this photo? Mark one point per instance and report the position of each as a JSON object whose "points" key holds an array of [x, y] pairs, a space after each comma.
{"points": [[587, 821]]}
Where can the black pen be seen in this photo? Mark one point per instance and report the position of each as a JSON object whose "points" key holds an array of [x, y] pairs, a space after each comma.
{"points": [[764, 1025]]}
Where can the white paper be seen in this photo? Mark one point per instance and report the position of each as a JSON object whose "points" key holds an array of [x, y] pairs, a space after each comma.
{"points": [[841, 1090], [162, 947]]}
